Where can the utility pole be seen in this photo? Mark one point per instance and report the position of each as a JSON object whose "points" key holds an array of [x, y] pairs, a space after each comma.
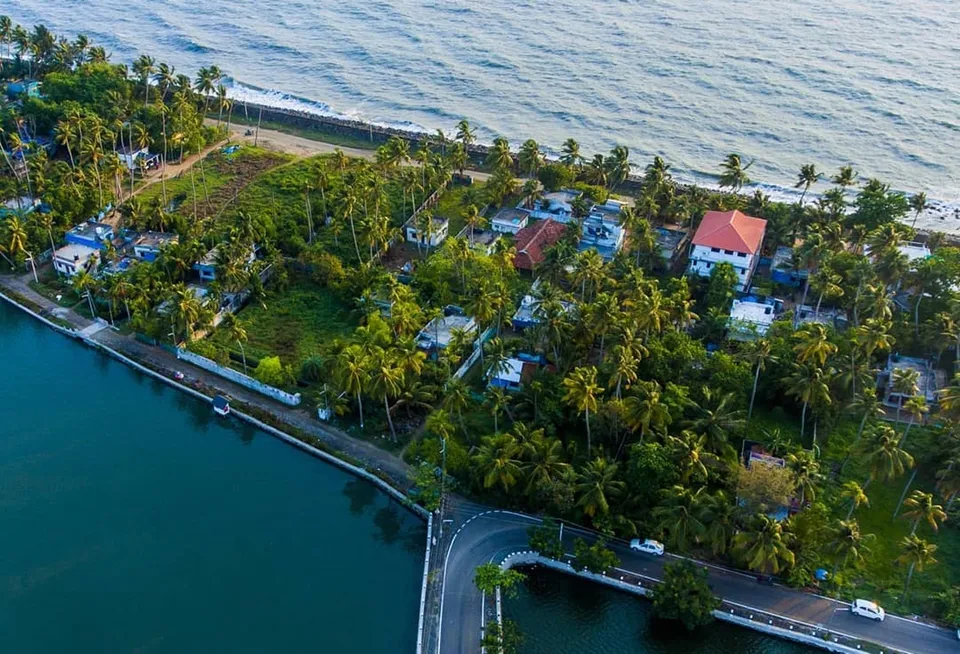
{"points": [[256, 138]]}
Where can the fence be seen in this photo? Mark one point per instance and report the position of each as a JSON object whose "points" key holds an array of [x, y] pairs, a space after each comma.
{"points": [[239, 378]]}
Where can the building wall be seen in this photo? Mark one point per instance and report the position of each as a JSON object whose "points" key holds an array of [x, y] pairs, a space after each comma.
{"points": [[239, 378], [703, 260], [508, 228]]}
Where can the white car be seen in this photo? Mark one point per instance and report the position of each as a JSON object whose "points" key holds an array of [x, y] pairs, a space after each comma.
{"points": [[868, 609], [647, 546]]}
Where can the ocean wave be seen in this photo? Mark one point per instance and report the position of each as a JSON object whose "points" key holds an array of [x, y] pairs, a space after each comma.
{"points": [[280, 100]]}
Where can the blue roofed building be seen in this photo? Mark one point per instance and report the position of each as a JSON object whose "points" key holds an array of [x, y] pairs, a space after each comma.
{"points": [[90, 234]]}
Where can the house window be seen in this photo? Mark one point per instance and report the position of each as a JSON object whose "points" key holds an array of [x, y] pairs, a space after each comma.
{"points": [[708, 264], [714, 249], [741, 254], [728, 251]]}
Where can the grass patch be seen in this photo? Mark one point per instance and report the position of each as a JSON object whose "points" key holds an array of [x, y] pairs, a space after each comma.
{"points": [[223, 177], [296, 323], [453, 205], [318, 133]]}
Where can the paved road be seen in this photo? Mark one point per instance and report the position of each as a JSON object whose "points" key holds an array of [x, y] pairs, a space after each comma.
{"points": [[491, 536]]}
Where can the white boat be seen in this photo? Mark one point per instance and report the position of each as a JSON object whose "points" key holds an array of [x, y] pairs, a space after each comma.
{"points": [[221, 406]]}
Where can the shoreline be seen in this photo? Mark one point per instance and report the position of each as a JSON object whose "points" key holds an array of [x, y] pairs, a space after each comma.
{"points": [[363, 135]]}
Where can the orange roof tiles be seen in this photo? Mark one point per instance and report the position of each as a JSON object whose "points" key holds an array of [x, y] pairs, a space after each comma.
{"points": [[533, 240], [730, 230]]}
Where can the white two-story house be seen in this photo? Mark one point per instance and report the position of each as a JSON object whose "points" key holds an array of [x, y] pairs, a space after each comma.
{"points": [[727, 237]]}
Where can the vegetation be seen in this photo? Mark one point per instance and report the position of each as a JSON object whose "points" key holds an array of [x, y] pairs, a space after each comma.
{"points": [[634, 405], [490, 576], [684, 595]]}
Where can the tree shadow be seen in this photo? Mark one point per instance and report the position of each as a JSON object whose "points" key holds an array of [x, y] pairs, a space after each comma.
{"points": [[361, 495]]}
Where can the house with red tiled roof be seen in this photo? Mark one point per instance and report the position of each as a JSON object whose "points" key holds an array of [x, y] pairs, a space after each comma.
{"points": [[532, 241], [727, 237]]}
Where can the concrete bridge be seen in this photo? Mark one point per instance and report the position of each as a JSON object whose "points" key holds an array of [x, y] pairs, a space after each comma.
{"points": [[455, 612]]}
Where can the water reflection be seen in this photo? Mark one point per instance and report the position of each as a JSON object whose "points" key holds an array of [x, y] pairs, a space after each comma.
{"points": [[361, 495]]}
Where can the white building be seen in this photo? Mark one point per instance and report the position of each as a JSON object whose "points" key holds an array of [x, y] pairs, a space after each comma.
{"points": [[604, 235], [439, 233], [557, 206], [439, 332], [135, 158], [72, 258], [727, 237], [510, 221], [750, 319]]}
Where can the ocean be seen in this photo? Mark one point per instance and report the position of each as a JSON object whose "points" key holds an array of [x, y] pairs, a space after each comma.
{"points": [[783, 82]]}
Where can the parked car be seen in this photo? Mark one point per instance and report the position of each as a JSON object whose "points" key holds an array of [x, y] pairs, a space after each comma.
{"points": [[868, 609], [647, 546]]}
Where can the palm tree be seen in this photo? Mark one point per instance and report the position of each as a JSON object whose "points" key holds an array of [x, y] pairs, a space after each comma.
{"points": [[813, 344], [854, 493], [763, 546], [689, 452], [543, 460], [734, 173], [916, 407], [918, 554], [806, 471], [596, 484], [717, 418], [808, 177], [848, 545], [500, 157], [883, 456], [530, 158], [386, 380], [720, 517], [846, 177], [571, 154], [918, 202], [618, 165], [906, 383], [679, 516], [144, 67], [458, 399], [759, 352], [644, 410], [922, 507], [497, 400], [237, 331], [352, 370], [465, 134], [582, 393], [808, 383], [497, 463]]}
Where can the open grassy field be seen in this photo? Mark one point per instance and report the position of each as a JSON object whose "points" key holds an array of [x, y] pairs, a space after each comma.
{"points": [[223, 177], [295, 324]]}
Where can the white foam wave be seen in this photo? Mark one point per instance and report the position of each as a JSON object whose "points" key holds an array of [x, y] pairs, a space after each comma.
{"points": [[286, 101]]}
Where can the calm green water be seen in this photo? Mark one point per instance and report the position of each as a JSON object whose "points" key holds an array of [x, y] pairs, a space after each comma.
{"points": [[559, 613], [134, 520]]}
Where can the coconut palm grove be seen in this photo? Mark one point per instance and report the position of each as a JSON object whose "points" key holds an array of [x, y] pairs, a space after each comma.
{"points": [[536, 333]]}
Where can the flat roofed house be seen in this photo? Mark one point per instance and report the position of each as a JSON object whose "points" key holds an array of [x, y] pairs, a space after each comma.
{"points": [[929, 380], [556, 206], [728, 237], [510, 220], [90, 234], [148, 245], [439, 232], [750, 319], [513, 374], [73, 258], [438, 332], [603, 235]]}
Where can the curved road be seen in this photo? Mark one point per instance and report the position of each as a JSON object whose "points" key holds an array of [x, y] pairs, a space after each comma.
{"points": [[492, 535]]}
